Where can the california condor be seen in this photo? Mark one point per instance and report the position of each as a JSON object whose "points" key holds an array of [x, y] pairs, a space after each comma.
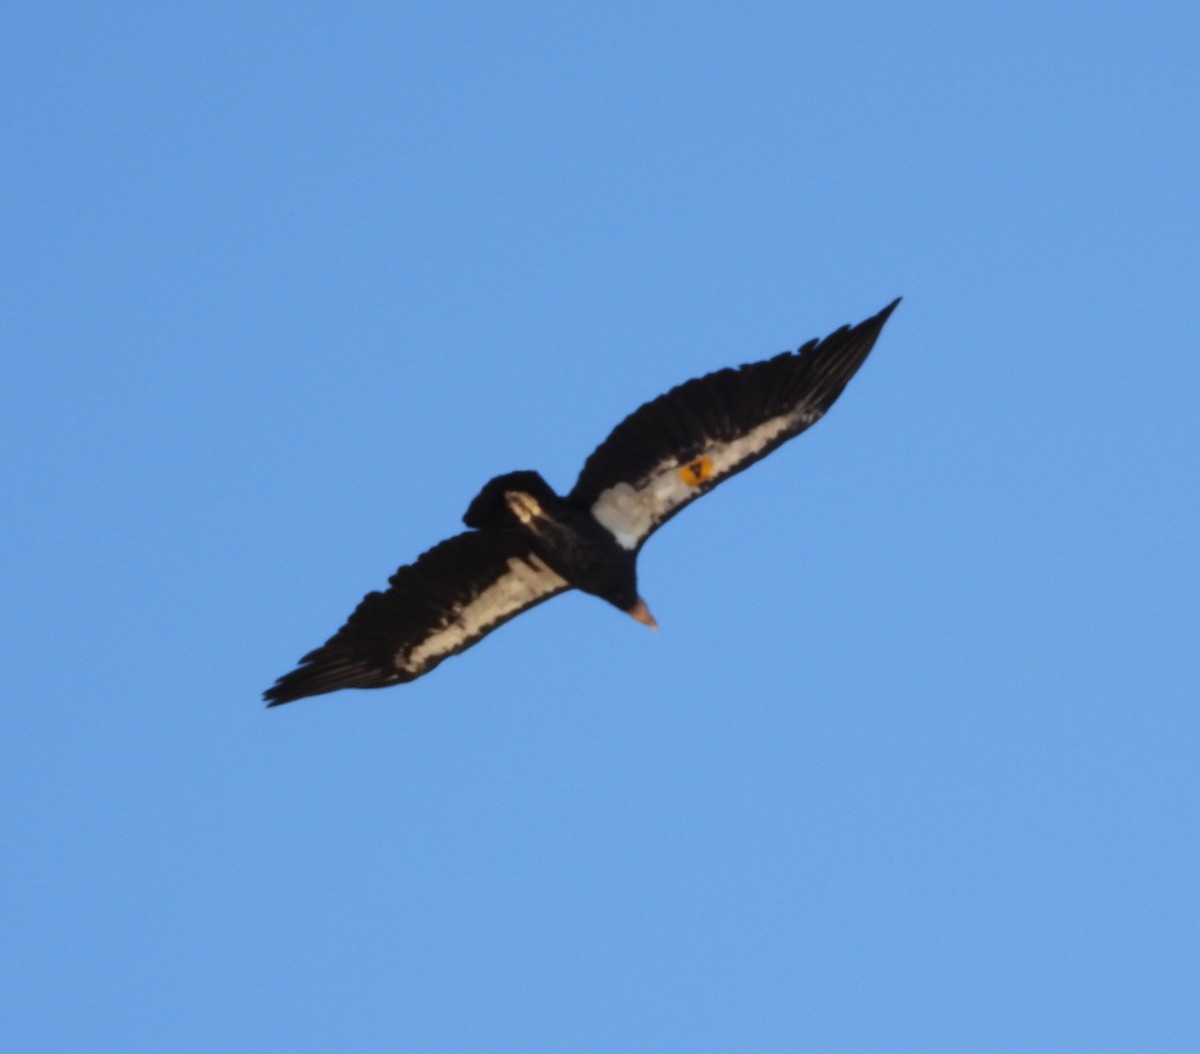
{"points": [[527, 544]]}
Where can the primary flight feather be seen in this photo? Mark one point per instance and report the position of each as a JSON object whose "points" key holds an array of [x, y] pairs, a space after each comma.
{"points": [[527, 544]]}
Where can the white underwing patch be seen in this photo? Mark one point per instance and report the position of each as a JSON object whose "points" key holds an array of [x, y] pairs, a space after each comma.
{"points": [[526, 581], [631, 512]]}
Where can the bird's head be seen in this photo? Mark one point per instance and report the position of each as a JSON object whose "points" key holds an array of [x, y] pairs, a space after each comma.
{"points": [[625, 598], [619, 587], [640, 612]]}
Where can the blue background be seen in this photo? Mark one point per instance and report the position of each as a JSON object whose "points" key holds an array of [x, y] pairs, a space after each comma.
{"points": [[912, 764]]}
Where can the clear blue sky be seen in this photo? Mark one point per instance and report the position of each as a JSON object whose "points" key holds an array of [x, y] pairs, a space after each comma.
{"points": [[912, 764]]}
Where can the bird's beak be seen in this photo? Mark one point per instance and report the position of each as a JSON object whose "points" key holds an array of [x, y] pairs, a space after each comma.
{"points": [[640, 612]]}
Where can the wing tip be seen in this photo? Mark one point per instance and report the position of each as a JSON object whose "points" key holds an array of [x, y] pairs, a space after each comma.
{"points": [[282, 692], [886, 313], [315, 678]]}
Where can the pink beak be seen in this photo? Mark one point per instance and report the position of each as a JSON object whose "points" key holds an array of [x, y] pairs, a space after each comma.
{"points": [[640, 612]]}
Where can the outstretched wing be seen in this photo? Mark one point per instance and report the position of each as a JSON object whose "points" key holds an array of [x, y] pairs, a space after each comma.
{"points": [[452, 596], [667, 454]]}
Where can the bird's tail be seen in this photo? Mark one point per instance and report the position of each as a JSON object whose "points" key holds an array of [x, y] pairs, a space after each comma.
{"points": [[491, 511]]}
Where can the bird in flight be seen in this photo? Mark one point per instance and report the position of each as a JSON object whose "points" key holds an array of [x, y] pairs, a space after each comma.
{"points": [[527, 544]]}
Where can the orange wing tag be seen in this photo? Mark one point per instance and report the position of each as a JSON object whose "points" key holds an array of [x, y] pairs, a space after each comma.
{"points": [[696, 472]]}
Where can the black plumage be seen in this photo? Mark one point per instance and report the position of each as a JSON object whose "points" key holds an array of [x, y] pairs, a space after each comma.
{"points": [[526, 544]]}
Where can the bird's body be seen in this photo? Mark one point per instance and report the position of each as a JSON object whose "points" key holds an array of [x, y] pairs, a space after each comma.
{"points": [[570, 540], [527, 544]]}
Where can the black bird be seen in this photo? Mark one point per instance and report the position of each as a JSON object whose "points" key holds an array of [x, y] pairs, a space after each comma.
{"points": [[527, 544]]}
